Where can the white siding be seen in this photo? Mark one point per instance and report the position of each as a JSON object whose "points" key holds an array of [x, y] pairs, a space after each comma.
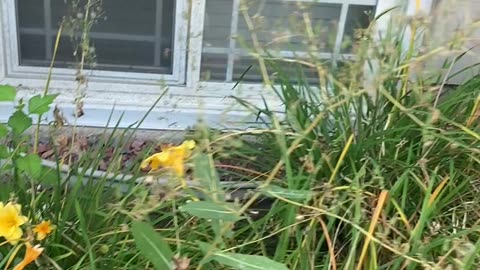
{"points": [[456, 19]]}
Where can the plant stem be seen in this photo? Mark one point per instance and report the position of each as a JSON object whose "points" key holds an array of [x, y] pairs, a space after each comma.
{"points": [[47, 86]]}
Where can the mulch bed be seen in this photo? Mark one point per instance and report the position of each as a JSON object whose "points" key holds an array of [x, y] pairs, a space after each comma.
{"points": [[123, 156], [83, 149], [128, 156]]}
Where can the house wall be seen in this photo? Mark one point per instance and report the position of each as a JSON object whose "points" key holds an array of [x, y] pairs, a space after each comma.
{"points": [[455, 20]]}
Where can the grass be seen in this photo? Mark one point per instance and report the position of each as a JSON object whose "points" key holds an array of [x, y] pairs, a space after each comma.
{"points": [[378, 177]]}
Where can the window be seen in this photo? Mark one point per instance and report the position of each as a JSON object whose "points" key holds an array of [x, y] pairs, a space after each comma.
{"points": [[235, 28], [128, 39]]}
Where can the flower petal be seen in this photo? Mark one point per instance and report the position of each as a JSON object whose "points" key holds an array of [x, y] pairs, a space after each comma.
{"points": [[43, 229], [178, 168], [145, 162], [23, 220], [190, 144], [31, 254], [16, 206], [15, 236], [156, 161], [5, 230], [41, 236]]}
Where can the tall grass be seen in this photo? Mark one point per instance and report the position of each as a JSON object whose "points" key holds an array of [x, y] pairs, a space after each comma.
{"points": [[392, 165], [349, 176]]}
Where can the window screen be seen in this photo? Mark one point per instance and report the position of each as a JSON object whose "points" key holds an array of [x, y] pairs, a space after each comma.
{"points": [[125, 35], [279, 26]]}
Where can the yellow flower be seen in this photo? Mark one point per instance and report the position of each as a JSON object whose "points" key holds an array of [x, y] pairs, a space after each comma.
{"points": [[43, 229], [31, 254], [10, 221], [172, 158]]}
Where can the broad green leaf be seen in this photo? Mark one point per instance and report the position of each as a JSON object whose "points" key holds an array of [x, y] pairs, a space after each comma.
{"points": [[247, 262], [205, 248], [30, 164], [19, 122], [48, 176], [39, 105], [206, 174], [210, 210], [152, 246], [3, 131], [4, 153], [291, 194], [7, 93]]}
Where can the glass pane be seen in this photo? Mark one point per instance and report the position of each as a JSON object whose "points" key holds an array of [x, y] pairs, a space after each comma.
{"points": [[358, 17], [249, 68], [251, 71], [213, 67], [281, 25], [126, 35], [32, 47], [118, 16], [32, 11], [218, 17], [108, 51], [278, 25]]}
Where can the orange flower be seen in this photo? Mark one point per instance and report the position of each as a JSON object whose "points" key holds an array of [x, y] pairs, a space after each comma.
{"points": [[31, 254], [172, 158], [43, 229]]}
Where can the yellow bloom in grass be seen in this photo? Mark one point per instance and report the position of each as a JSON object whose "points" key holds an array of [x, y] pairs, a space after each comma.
{"points": [[43, 229], [31, 254], [10, 221], [172, 158]]}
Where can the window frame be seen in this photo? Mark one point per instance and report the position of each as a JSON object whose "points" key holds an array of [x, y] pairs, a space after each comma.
{"points": [[14, 69]]}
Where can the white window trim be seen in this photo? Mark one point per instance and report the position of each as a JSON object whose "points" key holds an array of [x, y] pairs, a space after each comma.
{"points": [[131, 94]]}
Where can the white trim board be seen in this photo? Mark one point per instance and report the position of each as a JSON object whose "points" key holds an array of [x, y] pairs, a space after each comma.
{"points": [[177, 109], [159, 118]]}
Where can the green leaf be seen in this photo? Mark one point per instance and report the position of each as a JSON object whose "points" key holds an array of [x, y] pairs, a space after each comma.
{"points": [[39, 105], [3, 131], [7, 93], [152, 246], [48, 176], [206, 174], [210, 210], [19, 122], [203, 246], [84, 233], [291, 194], [31, 164], [247, 262], [4, 153]]}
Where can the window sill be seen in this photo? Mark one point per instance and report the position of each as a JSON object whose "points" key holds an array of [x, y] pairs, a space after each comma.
{"points": [[180, 108]]}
